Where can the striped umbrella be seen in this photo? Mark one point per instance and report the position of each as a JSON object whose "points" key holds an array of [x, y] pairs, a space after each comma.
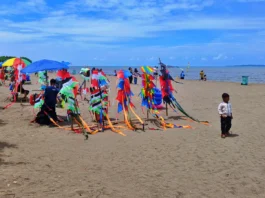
{"points": [[15, 62]]}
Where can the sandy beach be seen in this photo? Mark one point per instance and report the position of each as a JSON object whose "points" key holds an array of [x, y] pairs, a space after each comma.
{"points": [[45, 162]]}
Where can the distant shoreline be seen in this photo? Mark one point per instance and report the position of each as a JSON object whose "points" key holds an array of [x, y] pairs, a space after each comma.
{"points": [[185, 66]]}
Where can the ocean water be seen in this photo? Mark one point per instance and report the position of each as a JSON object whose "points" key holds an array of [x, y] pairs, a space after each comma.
{"points": [[222, 74]]}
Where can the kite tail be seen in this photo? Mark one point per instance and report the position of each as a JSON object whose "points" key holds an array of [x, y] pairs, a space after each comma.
{"points": [[52, 120], [15, 100], [162, 122], [126, 118], [140, 120], [186, 114], [112, 127], [87, 127]]}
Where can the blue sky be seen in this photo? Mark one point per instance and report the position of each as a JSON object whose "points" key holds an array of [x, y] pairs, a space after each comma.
{"points": [[135, 32]]}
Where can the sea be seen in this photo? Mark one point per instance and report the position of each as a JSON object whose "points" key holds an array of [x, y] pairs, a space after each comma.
{"points": [[256, 74]]}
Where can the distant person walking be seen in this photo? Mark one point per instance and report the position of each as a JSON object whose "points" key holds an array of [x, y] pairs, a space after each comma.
{"points": [[202, 75]]}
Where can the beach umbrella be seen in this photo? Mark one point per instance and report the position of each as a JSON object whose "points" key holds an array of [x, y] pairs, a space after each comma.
{"points": [[15, 62], [66, 63], [44, 65]]}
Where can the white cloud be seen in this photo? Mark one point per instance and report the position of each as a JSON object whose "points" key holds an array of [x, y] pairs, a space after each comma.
{"points": [[250, 1], [117, 20], [84, 29], [203, 59], [220, 56], [151, 58], [20, 8]]}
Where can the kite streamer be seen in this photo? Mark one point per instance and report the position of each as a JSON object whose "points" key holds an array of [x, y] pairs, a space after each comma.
{"points": [[69, 91], [167, 93], [151, 97], [124, 99], [99, 103]]}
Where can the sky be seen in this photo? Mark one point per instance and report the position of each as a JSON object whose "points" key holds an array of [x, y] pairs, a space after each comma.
{"points": [[135, 32]]}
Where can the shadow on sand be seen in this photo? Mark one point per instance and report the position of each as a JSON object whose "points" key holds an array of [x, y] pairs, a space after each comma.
{"points": [[232, 135], [4, 145], [2, 123], [177, 117]]}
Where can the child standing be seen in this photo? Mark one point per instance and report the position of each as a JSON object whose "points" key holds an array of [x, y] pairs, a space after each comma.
{"points": [[225, 112]]}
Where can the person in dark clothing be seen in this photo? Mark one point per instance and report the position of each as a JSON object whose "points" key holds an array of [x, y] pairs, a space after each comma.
{"points": [[131, 77], [182, 75], [135, 75], [50, 100]]}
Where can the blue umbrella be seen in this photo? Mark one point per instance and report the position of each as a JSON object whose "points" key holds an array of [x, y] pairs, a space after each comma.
{"points": [[66, 63], [1, 64], [44, 65]]}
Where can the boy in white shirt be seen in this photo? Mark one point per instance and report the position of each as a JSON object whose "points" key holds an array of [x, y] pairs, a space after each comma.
{"points": [[225, 112]]}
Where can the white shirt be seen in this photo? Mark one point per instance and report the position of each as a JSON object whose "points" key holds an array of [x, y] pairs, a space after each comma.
{"points": [[225, 109]]}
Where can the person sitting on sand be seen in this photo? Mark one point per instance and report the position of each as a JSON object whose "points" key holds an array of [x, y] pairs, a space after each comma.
{"points": [[202, 75], [20, 89], [12, 84], [50, 99], [182, 75], [205, 78], [115, 73], [225, 112]]}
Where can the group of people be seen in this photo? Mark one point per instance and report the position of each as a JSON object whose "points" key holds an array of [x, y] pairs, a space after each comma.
{"points": [[134, 75]]}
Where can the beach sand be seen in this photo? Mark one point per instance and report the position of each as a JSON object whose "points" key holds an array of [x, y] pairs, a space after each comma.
{"points": [[44, 162]]}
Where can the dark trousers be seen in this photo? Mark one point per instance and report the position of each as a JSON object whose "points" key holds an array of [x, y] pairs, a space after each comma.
{"points": [[226, 124], [51, 112], [135, 80], [131, 79]]}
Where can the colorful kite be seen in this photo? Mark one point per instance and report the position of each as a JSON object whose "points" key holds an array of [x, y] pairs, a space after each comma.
{"points": [[42, 79], [85, 73], [167, 93], [70, 91], [151, 97], [99, 103], [16, 81], [124, 96]]}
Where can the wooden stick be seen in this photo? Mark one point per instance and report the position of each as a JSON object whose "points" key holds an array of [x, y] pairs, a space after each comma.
{"points": [[166, 110]]}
